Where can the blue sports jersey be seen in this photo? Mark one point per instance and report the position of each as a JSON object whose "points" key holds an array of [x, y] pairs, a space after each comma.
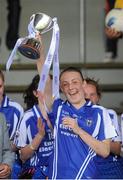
{"points": [[72, 158], [111, 166], [27, 131], [13, 112]]}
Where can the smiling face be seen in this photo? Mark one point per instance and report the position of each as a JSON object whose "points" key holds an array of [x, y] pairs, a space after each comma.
{"points": [[71, 84]]}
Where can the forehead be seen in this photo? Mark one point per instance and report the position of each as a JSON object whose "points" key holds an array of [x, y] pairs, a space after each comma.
{"points": [[70, 75], [90, 88]]}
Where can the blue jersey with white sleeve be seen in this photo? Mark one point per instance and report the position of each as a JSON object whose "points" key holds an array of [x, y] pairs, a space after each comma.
{"points": [[72, 157], [111, 166], [115, 122], [13, 112], [27, 131]]}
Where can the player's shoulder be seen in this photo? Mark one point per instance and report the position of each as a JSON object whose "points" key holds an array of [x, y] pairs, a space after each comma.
{"points": [[111, 111], [28, 114], [98, 107], [15, 104]]}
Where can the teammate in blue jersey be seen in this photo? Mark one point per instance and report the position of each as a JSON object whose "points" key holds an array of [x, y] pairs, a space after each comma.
{"points": [[35, 134], [13, 112], [110, 167]]}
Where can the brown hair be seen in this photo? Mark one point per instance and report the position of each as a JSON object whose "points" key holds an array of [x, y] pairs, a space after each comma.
{"points": [[72, 69], [2, 76], [95, 83]]}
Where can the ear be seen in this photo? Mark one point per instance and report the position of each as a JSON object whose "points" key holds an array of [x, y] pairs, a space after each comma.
{"points": [[84, 83], [35, 93]]}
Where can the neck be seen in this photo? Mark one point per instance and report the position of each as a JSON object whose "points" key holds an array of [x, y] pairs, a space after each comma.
{"points": [[1, 99], [79, 105]]}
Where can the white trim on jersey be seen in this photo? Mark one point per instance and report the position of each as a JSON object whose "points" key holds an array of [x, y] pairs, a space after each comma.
{"points": [[21, 139], [96, 130], [116, 125], [14, 126], [85, 164], [36, 111], [109, 129], [29, 133], [91, 151], [56, 144]]}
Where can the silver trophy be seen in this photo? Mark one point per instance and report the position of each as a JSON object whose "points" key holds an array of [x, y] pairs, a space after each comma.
{"points": [[30, 46]]}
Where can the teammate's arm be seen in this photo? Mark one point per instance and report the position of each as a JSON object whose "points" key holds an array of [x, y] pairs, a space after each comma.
{"points": [[27, 151], [115, 147]]}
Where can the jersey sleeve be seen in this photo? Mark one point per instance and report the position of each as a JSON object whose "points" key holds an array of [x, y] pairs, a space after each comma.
{"points": [[21, 135], [107, 130], [115, 122]]}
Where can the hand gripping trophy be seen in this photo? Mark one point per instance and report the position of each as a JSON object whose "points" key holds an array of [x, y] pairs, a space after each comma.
{"points": [[29, 46]]}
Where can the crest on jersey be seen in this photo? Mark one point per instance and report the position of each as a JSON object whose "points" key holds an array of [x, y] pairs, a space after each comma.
{"points": [[89, 122], [17, 134]]}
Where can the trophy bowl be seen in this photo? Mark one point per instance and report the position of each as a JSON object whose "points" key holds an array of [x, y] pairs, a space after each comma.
{"points": [[30, 46]]}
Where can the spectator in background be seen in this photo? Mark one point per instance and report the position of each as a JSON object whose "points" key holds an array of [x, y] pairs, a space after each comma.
{"points": [[111, 166], [13, 112], [6, 155], [111, 36], [13, 21]]}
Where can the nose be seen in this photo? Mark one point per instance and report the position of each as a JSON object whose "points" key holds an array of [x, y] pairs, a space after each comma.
{"points": [[70, 86]]}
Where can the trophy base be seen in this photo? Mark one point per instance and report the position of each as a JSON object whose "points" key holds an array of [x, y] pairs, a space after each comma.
{"points": [[30, 48]]}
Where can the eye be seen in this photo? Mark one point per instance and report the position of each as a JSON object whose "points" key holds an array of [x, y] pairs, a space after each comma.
{"points": [[65, 85], [75, 82]]}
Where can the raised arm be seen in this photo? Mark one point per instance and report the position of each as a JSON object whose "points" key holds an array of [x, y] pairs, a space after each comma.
{"points": [[41, 60]]}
